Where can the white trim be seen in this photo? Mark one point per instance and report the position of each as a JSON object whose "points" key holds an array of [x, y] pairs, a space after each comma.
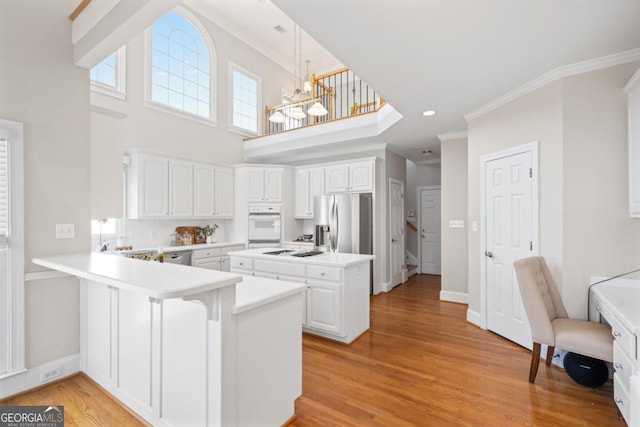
{"points": [[16, 330], [108, 112], [458, 297], [532, 148], [556, 74], [419, 219], [403, 265], [213, 77], [32, 377], [242, 131], [633, 81], [453, 135], [475, 318], [43, 275]]}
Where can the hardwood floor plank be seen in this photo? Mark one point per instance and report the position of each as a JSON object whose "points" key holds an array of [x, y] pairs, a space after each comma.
{"points": [[420, 364]]}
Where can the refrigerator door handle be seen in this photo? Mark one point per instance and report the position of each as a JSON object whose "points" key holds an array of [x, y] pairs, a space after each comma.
{"points": [[333, 230]]}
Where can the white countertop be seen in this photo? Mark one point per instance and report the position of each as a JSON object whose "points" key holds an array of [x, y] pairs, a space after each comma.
{"points": [[253, 292], [623, 297], [333, 259], [168, 249], [152, 279]]}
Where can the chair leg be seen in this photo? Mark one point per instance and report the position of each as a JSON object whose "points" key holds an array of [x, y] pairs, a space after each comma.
{"points": [[535, 361], [549, 355]]}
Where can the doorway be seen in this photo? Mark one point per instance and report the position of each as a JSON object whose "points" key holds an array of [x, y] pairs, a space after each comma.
{"points": [[429, 228], [396, 232], [509, 224]]}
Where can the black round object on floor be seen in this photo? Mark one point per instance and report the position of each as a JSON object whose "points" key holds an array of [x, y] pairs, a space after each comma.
{"points": [[586, 370]]}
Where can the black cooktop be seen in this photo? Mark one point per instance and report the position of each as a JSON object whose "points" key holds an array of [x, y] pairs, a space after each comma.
{"points": [[307, 253]]}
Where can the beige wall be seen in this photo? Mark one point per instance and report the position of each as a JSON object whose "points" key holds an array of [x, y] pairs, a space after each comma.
{"points": [[580, 123], [454, 245], [533, 117], [599, 237], [40, 86]]}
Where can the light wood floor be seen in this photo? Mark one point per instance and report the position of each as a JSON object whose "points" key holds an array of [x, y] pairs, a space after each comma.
{"points": [[421, 364]]}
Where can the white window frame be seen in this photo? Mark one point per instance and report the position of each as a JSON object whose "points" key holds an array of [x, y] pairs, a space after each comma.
{"points": [[259, 114], [13, 131], [213, 67], [120, 90]]}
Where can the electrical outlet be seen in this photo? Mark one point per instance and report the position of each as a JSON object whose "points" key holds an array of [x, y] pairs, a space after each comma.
{"points": [[65, 231], [50, 374]]}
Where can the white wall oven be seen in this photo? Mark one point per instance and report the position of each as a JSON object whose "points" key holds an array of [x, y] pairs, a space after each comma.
{"points": [[265, 229]]}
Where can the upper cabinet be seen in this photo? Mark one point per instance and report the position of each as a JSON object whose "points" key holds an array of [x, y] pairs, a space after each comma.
{"points": [[264, 184], [309, 184], [164, 187], [633, 90], [354, 177]]}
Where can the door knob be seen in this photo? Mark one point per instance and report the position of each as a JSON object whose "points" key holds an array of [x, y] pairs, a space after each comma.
{"points": [[489, 254], [423, 236]]}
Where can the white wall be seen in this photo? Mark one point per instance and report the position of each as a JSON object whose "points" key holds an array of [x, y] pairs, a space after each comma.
{"points": [[133, 125], [40, 86], [454, 244], [580, 123], [418, 176]]}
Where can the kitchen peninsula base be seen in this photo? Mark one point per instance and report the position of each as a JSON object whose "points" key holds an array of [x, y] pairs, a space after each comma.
{"points": [[185, 346]]}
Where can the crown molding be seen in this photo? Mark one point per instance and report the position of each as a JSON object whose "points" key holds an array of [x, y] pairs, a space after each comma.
{"points": [[556, 74], [633, 82], [453, 135]]}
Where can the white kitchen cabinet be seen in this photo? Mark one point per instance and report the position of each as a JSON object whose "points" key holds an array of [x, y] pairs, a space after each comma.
{"points": [[324, 306], [264, 184], [148, 186], [337, 296], [223, 206], [354, 177], [180, 188], [166, 187], [633, 90], [203, 190], [214, 258], [310, 183], [299, 246]]}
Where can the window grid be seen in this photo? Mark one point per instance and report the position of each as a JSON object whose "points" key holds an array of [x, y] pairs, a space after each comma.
{"points": [[106, 72], [180, 66], [245, 102]]}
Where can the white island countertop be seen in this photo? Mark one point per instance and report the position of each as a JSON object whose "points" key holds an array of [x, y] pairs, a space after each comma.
{"points": [[152, 279], [254, 292], [329, 258]]}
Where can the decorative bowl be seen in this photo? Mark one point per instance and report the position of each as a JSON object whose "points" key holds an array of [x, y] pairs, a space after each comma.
{"points": [[307, 236]]}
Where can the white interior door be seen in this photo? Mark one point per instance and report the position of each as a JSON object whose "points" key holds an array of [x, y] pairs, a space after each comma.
{"points": [[396, 230], [509, 236], [430, 231]]}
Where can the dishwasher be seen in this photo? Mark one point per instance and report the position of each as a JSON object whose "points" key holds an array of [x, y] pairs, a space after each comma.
{"points": [[178, 257]]}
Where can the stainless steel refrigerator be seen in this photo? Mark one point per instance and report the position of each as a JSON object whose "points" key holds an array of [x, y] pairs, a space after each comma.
{"points": [[344, 223]]}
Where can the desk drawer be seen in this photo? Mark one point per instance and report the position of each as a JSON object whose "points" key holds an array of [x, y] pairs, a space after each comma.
{"points": [[622, 365], [622, 336], [621, 397]]}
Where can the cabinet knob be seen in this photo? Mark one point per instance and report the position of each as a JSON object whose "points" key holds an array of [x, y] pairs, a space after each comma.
{"points": [[616, 334], [619, 401], [617, 366], [322, 274]]}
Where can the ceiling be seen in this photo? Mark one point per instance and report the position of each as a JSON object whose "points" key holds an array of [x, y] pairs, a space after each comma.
{"points": [[452, 56]]}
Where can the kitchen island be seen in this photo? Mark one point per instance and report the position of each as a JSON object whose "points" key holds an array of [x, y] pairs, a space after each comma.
{"points": [[336, 302], [232, 358]]}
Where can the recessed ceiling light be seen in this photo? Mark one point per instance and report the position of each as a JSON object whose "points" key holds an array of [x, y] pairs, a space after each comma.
{"points": [[428, 113]]}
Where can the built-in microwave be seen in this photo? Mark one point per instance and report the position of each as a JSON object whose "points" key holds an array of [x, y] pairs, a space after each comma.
{"points": [[264, 226]]}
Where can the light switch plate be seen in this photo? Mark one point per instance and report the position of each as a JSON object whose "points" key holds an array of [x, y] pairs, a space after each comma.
{"points": [[65, 231]]}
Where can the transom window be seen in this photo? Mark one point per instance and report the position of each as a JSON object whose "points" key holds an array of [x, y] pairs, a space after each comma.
{"points": [[105, 72], [180, 66], [245, 89]]}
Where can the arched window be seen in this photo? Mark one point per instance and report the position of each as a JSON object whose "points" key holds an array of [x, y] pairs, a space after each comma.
{"points": [[181, 66]]}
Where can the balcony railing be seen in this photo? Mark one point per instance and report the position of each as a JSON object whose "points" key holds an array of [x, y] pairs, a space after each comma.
{"points": [[342, 93]]}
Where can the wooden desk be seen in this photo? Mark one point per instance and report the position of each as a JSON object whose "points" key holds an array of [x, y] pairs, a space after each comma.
{"points": [[617, 301]]}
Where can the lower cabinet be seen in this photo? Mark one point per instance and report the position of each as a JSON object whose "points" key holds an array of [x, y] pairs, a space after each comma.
{"points": [[337, 298], [214, 258]]}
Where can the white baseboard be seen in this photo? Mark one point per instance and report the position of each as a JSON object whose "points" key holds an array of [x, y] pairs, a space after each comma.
{"points": [[32, 377], [458, 297], [474, 317]]}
